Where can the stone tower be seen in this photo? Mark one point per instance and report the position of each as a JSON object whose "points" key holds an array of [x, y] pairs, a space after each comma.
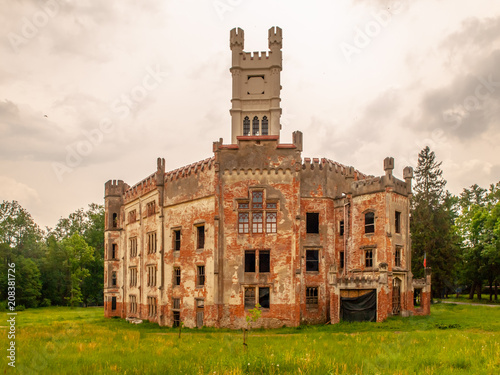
{"points": [[256, 99]]}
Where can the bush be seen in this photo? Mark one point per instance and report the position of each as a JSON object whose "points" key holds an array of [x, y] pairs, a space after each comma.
{"points": [[45, 303], [20, 308], [3, 305]]}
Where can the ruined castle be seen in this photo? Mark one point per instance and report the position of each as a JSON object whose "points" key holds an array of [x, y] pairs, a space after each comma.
{"points": [[310, 241]]}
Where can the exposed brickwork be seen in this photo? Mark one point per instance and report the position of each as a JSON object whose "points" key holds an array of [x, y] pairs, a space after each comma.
{"points": [[190, 223]]}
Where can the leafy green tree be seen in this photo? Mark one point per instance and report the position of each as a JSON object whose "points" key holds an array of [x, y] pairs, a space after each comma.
{"points": [[431, 225], [79, 255]]}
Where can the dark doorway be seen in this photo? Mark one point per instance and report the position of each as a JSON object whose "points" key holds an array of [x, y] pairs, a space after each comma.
{"points": [[396, 297]]}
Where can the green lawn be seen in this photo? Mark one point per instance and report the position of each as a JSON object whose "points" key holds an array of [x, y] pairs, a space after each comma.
{"points": [[455, 339], [485, 298]]}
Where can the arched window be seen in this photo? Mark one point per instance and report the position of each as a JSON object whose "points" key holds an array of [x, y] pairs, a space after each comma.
{"points": [[115, 220], [255, 126], [369, 222], [246, 126], [265, 127]]}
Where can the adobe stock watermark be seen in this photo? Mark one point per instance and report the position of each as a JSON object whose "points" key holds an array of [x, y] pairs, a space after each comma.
{"points": [[122, 106], [31, 26], [221, 7], [474, 102], [365, 35]]}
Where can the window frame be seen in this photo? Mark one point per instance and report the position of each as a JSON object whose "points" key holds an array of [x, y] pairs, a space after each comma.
{"points": [[397, 222], [309, 261], [369, 227], [177, 276], [398, 256], [312, 222], [176, 242], [312, 297], [369, 257], [200, 236], [200, 276]]}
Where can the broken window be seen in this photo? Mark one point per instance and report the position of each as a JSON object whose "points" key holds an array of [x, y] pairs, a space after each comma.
{"points": [[132, 304], [265, 126], [271, 221], [312, 297], [312, 260], [200, 230], [369, 222], [152, 309], [257, 222], [151, 275], [133, 247], [177, 276], [176, 304], [255, 126], [417, 298], [133, 276], [243, 222], [200, 305], [249, 298], [113, 278], [397, 256], [113, 303], [312, 222], [200, 275], [264, 297], [250, 261], [246, 126], [369, 258], [342, 254], [341, 228], [114, 251], [264, 261], [115, 220], [397, 222], [177, 239], [132, 216], [257, 199]]}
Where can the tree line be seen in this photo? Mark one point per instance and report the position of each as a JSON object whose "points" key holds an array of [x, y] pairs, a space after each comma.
{"points": [[459, 236]]}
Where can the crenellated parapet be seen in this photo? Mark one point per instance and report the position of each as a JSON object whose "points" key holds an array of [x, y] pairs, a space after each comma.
{"points": [[114, 188], [188, 170], [143, 187]]}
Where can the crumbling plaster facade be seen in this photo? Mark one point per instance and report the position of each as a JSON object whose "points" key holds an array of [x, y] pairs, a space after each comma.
{"points": [[256, 223]]}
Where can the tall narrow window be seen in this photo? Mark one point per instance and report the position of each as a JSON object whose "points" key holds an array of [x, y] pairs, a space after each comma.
{"points": [[115, 220], [151, 208], [255, 126], [312, 297], [264, 261], [243, 222], [151, 275], [151, 242], [177, 276], [265, 126], [397, 256], [312, 260], [341, 228], [250, 261], [113, 279], [271, 221], [200, 230], [246, 126], [177, 239], [132, 216], [257, 224], [133, 304], [133, 276], [264, 297], [369, 258], [200, 276], [342, 255], [113, 303], [369, 222], [397, 222], [312, 224], [114, 251], [249, 298], [133, 247]]}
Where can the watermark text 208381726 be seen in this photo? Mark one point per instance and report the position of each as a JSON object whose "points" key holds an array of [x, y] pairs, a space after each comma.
{"points": [[11, 319]]}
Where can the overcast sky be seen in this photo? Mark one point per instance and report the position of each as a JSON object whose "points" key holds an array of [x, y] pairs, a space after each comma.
{"points": [[97, 90]]}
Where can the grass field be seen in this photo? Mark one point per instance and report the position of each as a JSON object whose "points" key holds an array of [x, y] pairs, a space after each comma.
{"points": [[455, 339], [485, 299]]}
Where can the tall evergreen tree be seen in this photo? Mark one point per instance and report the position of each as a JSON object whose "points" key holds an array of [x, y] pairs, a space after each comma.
{"points": [[431, 225]]}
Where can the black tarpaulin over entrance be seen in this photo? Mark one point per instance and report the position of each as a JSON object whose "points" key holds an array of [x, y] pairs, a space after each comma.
{"points": [[359, 309]]}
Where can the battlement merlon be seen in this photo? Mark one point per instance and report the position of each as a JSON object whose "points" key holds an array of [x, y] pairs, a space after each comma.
{"points": [[275, 38], [115, 188], [408, 176], [237, 39], [258, 59], [160, 171]]}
